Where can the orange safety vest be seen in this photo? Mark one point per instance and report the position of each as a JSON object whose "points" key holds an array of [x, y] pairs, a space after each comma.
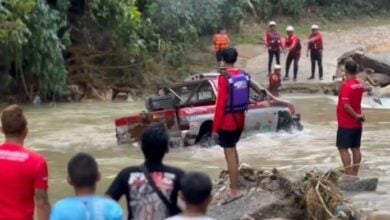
{"points": [[221, 41]]}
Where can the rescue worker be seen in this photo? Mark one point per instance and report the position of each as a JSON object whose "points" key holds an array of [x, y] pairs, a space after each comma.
{"points": [[273, 42], [350, 120], [315, 47], [229, 118], [221, 42], [275, 81], [293, 47]]}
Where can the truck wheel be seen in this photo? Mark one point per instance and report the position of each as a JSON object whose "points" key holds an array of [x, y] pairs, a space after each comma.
{"points": [[285, 121], [207, 141]]}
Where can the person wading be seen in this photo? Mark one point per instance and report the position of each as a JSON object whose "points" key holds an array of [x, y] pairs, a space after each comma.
{"points": [[221, 42], [229, 118], [315, 47], [273, 42], [275, 81], [350, 119], [23, 174], [293, 46]]}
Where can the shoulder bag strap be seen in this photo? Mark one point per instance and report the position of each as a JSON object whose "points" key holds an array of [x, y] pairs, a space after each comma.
{"points": [[164, 199]]}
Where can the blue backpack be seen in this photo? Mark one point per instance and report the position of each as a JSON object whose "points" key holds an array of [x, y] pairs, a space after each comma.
{"points": [[239, 87]]}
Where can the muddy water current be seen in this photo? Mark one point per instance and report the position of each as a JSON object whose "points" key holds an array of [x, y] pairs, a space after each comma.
{"points": [[60, 131]]}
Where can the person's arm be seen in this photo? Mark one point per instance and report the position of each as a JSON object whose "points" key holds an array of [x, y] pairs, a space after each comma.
{"points": [[347, 106], [294, 44], [266, 41], [117, 187], [220, 103], [42, 203]]}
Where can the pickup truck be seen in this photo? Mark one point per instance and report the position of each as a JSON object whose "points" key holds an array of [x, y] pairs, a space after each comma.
{"points": [[187, 110]]}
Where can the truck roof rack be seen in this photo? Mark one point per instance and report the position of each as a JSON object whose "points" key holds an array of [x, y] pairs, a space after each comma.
{"points": [[201, 76]]}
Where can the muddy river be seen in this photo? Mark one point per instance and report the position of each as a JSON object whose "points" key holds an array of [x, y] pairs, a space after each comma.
{"points": [[60, 131]]}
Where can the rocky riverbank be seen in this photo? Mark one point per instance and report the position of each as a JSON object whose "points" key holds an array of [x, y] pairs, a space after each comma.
{"points": [[270, 195]]}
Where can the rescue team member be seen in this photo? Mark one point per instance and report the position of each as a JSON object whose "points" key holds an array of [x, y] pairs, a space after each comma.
{"points": [[83, 174], [273, 42], [23, 174], [229, 118], [293, 46], [275, 81], [151, 189], [350, 119], [315, 46], [196, 193], [221, 42]]}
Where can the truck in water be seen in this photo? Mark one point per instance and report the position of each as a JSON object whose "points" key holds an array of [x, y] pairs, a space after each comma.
{"points": [[187, 110]]}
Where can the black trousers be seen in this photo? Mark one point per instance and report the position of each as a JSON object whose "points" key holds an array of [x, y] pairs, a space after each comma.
{"points": [[271, 55], [316, 57], [289, 60]]}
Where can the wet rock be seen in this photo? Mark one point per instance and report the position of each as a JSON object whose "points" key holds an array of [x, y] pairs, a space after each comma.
{"points": [[267, 194], [359, 185], [379, 215], [381, 79], [76, 92]]}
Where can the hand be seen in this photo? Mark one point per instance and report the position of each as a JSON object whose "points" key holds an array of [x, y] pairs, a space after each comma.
{"points": [[215, 136], [361, 118]]}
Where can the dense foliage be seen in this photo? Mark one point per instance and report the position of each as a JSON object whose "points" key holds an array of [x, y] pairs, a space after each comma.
{"points": [[98, 44]]}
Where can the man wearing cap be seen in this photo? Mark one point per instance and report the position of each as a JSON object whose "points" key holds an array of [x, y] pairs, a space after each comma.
{"points": [[275, 81], [293, 46], [315, 46], [273, 42]]}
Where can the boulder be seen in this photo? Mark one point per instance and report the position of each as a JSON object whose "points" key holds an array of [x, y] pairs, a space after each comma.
{"points": [[379, 215], [381, 79], [362, 185], [270, 195]]}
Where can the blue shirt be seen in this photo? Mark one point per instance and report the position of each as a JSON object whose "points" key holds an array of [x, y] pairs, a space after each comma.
{"points": [[86, 208]]}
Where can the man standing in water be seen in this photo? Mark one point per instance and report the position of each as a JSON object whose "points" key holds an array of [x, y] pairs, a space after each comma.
{"points": [[229, 118], [273, 42], [221, 42], [315, 47], [350, 119], [23, 174]]}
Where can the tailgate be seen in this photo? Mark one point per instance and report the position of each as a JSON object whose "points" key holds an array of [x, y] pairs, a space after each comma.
{"points": [[129, 129]]}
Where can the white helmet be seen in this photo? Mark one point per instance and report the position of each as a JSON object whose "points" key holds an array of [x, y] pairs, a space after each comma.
{"points": [[277, 67], [272, 23], [314, 27], [290, 28]]}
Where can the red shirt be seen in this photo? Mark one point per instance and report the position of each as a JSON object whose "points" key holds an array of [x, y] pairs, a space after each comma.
{"points": [[295, 43], [317, 44], [222, 121], [21, 172], [351, 93], [272, 40]]}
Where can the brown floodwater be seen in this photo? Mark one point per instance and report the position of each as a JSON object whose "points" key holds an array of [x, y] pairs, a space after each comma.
{"points": [[59, 131]]}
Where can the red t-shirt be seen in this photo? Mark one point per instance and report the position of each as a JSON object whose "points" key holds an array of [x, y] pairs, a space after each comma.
{"points": [[21, 172], [351, 93], [222, 121], [317, 44], [294, 43]]}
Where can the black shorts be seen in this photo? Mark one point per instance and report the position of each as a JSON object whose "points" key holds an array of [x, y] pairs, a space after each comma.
{"points": [[229, 139], [218, 55], [349, 137]]}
